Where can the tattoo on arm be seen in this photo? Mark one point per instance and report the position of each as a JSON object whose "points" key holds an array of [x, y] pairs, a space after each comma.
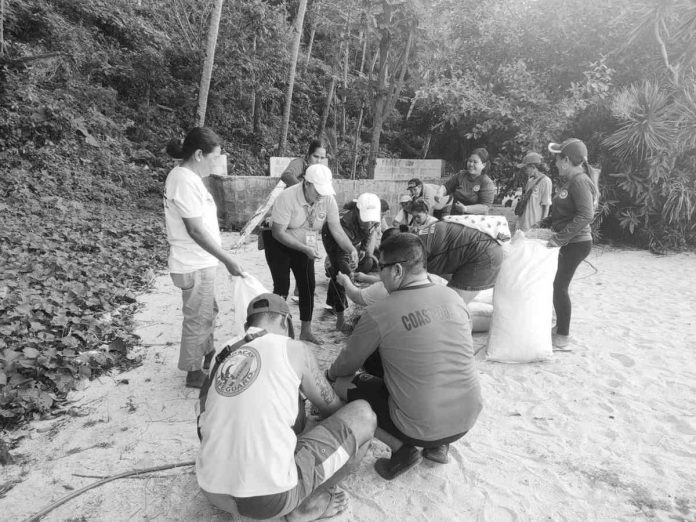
{"points": [[325, 389]]}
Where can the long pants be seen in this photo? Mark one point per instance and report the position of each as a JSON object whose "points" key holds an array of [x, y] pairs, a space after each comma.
{"points": [[200, 310], [281, 259], [336, 294], [569, 258]]}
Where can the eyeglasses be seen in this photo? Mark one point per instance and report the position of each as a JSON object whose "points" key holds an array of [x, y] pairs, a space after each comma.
{"points": [[382, 266]]}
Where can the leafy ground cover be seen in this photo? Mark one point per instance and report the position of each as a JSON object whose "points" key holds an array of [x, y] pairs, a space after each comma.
{"points": [[70, 273]]}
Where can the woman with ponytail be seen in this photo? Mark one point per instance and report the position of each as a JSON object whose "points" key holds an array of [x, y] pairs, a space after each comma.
{"points": [[572, 212], [472, 190], [194, 247]]}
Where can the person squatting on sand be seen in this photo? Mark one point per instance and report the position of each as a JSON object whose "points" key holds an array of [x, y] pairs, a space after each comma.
{"points": [[471, 189], [538, 189], [470, 255], [430, 394], [571, 215], [421, 218], [194, 247], [298, 215], [360, 225], [253, 454]]}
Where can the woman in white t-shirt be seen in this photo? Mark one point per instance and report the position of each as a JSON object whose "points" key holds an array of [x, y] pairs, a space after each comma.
{"points": [[194, 247]]}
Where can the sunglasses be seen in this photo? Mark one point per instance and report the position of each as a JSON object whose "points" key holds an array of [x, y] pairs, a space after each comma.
{"points": [[382, 266]]}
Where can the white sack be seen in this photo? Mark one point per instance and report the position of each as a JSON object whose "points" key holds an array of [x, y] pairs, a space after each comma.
{"points": [[243, 290], [522, 302], [480, 314]]}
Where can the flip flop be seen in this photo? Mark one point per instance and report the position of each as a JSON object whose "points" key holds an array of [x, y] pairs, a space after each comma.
{"points": [[439, 454], [332, 495], [400, 462]]}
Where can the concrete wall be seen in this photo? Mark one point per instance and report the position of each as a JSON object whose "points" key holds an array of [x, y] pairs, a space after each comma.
{"points": [[238, 197]]}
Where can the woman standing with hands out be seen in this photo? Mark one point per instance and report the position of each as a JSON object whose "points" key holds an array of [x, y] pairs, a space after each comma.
{"points": [[194, 247], [295, 170], [297, 217], [472, 190], [572, 212]]}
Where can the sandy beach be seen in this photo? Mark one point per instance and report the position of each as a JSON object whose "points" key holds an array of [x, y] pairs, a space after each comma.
{"points": [[605, 432]]}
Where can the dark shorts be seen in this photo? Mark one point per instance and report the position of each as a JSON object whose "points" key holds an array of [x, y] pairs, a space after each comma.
{"points": [[319, 454], [373, 390], [480, 272]]}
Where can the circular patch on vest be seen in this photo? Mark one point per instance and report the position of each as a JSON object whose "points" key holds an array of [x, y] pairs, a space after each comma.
{"points": [[476, 188], [563, 194], [238, 371], [321, 216]]}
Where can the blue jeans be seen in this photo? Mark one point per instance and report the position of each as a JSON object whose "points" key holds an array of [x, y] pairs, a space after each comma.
{"points": [[200, 310]]}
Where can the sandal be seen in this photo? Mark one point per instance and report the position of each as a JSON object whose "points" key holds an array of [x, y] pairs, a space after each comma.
{"points": [[400, 462], [439, 454]]}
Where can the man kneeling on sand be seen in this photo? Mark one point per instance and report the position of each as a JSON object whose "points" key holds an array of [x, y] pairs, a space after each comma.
{"points": [[430, 394], [251, 455]]}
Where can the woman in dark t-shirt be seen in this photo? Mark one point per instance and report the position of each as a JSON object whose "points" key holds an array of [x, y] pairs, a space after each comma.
{"points": [[472, 190]]}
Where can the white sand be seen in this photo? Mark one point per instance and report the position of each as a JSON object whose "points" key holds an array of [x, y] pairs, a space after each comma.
{"points": [[607, 432]]}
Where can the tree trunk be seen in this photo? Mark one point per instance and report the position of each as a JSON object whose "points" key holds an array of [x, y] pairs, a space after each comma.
{"points": [[356, 145], [297, 30], [208, 65], [253, 81], [398, 85], [312, 33], [363, 37], [327, 107], [2, 27], [381, 94], [426, 145]]}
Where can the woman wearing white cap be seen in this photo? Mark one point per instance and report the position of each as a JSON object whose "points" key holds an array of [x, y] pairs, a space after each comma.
{"points": [[571, 215], [298, 216], [360, 224]]}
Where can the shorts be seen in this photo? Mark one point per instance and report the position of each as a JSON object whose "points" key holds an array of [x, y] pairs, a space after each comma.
{"points": [[479, 273], [373, 390], [319, 454]]}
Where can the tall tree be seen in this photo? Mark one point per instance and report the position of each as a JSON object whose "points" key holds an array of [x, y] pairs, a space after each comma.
{"points": [[394, 17], [297, 37], [209, 61]]}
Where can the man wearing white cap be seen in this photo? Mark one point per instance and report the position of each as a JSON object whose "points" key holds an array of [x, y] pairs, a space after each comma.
{"points": [[535, 203], [360, 226], [297, 217]]}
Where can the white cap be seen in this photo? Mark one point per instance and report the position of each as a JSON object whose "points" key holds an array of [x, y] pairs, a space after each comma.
{"points": [[320, 176], [370, 207], [405, 198]]}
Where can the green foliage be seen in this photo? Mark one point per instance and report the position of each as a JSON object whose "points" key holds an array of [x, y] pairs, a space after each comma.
{"points": [[71, 270]]}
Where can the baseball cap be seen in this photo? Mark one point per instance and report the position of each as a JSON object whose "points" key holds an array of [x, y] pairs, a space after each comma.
{"points": [[532, 158], [573, 148], [267, 303], [320, 176], [415, 182], [370, 207], [405, 198]]}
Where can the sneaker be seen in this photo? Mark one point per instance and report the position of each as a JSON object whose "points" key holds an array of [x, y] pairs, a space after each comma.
{"points": [[400, 462], [560, 342], [195, 379], [440, 454]]}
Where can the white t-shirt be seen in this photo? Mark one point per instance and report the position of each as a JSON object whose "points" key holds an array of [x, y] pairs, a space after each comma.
{"points": [[541, 195], [185, 196]]}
